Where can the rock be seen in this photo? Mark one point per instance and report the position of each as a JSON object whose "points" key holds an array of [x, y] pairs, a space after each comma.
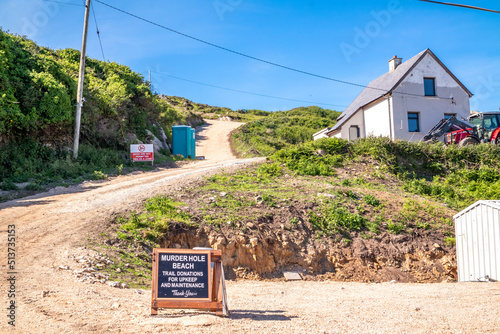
{"points": [[223, 194], [139, 292], [114, 284], [251, 225], [326, 195], [292, 275], [46, 293], [124, 286], [118, 270], [320, 152], [64, 268], [258, 198], [254, 242], [157, 144], [115, 306], [393, 281]]}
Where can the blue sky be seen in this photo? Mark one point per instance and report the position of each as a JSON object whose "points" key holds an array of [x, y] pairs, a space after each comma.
{"points": [[344, 40]]}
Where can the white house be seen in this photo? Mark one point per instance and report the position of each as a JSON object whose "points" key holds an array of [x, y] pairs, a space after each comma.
{"points": [[404, 103]]}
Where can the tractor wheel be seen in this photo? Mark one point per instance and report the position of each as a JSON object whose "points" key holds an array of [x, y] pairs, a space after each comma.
{"points": [[468, 141]]}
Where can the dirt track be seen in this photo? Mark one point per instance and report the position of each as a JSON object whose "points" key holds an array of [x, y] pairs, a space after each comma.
{"points": [[49, 226]]}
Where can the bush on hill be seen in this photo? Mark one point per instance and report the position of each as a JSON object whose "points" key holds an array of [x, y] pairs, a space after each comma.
{"points": [[279, 130], [458, 176]]}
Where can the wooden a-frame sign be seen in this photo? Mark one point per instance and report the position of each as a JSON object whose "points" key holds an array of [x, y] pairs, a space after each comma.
{"points": [[188, 279]]}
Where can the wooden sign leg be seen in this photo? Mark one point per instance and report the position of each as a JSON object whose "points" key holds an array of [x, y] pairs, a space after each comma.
{"points": [[217, 292]]}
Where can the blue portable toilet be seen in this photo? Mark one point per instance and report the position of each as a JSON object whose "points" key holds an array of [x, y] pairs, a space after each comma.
{"points": [[183, 141], [193, 143]]}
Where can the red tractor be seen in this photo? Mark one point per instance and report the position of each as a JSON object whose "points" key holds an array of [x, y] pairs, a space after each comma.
{"points": [[482, 127]]}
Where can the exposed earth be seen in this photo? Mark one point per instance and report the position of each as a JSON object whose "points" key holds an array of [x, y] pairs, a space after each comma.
{"points": [[52, 230]]}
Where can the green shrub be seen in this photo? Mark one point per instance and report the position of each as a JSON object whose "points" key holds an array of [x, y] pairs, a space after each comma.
{"points": [[7, 185], [283, 129], [269, 170], [334, 219], [450, 242], [371, 200], [396, 228]]}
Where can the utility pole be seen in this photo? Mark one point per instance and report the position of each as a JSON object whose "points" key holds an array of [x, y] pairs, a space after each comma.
{"points": [[79, 96]]}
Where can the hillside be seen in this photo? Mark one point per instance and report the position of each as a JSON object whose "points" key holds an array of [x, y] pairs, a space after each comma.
{"points": [[275, 131], [37, 98]]}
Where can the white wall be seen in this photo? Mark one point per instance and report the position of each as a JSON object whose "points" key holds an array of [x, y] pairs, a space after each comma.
{"points": [[377, 120], [320, 134], [477, 233], [356, 119], [431, 109]]}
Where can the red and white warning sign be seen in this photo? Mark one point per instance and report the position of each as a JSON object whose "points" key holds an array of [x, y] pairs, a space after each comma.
{"points": [[142, 152]]}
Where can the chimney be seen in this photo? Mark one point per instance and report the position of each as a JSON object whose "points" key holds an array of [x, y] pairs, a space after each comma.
{"points": [[394, 63]]}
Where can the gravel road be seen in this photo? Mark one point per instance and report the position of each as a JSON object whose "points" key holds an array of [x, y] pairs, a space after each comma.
{"points": [[51, 226]]}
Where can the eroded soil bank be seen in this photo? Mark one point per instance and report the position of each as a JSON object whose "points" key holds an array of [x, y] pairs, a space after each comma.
{"points": [[267, 225], [264, 252]]}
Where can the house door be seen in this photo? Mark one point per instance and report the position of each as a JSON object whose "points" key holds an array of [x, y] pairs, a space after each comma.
{"points": [[353, 132]]}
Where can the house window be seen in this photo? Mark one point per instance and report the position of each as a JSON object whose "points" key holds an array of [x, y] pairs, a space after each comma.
{"points": [[353, 132], [429, 87], [413, 122], [447, 116]]}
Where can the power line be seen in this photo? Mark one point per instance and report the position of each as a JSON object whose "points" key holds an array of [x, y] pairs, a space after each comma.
{"points": [[98, 35], [244, 92], [252, 57], [237, 52], [460, 5]]}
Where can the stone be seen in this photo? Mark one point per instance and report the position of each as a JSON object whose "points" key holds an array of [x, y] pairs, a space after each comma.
{"points": [[223, 194], [118, 270], [254, 242], [115, 306], [326, 195], [320, 152], [292, 275], [114, 284]]}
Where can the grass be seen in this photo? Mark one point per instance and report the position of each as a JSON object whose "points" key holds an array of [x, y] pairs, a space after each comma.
{"points": [[455, 176], [149, 226], [41, 166], [266, 135]]}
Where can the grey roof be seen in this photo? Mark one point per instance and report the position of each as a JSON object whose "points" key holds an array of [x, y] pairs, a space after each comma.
{"points": [[385, 84]]}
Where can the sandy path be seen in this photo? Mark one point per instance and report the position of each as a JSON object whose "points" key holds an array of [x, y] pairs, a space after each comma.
{"points": [[217, 148], [48, 300]]}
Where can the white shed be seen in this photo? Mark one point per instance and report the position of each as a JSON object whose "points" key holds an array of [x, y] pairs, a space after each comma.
{"points": [[477, 234]]}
